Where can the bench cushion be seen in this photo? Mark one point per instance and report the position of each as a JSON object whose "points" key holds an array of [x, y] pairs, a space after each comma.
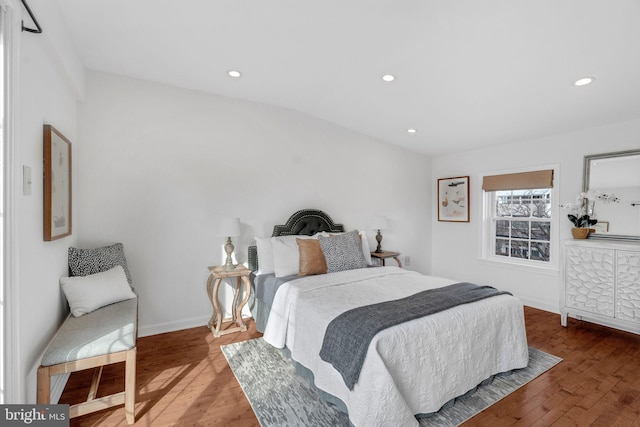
{"points": [[109, 329]]}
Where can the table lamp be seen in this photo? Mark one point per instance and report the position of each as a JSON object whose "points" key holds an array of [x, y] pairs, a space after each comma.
{"points": [[378, 222], [229, 227]]}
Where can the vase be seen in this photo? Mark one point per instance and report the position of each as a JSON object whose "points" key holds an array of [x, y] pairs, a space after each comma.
{"points": [[580, 233]]}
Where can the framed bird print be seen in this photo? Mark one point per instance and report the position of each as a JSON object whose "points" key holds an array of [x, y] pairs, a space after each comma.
{"points": [[453, 199]]}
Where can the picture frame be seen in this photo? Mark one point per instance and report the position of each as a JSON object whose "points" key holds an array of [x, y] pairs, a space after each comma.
{"points": [[601, 227], [453, 199], [57, 184]]}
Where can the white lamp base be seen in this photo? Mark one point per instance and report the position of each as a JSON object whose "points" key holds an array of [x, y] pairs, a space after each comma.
{"points": [[228, 248]]}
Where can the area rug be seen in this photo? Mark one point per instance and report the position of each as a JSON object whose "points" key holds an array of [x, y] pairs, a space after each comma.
{"points": [[280, 397]]}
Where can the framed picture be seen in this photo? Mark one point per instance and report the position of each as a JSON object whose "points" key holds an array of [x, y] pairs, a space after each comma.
{"points": [[601, 227], [57, 184], [453, 199]]}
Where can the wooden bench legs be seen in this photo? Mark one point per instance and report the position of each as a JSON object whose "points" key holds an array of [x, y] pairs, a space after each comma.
{"points": [[130, 387], [93, 404]]}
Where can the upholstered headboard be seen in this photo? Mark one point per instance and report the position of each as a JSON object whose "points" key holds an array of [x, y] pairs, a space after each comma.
{"points": [[304, 222]]}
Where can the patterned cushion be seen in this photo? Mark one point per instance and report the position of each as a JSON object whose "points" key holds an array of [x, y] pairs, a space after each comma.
{"points": [[342, 251], [83, 262], [363, 240]]}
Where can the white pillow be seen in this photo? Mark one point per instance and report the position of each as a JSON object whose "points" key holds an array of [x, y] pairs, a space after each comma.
{"points": [[88, 293], [265, 255], [286, 256], [365, 244], [365, 248]]}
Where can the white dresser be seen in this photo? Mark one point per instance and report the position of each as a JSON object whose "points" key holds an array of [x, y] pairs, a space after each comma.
{"points": [[602, 283]]}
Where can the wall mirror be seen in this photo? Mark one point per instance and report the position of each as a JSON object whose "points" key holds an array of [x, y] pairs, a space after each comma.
{"points": [[613, 181]]}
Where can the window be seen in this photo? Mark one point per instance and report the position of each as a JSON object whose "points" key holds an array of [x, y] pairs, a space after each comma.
{"points": [[519, 225], [522, 223]]}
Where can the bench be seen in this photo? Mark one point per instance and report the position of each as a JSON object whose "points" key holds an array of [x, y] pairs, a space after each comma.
{"points": [[100, 337]]}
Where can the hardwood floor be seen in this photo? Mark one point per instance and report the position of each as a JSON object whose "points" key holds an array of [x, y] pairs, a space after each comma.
{"points": [[184, 380], [597, 383]]}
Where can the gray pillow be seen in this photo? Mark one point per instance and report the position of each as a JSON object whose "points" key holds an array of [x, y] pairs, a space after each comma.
{"points": [[83, 262], [343, 251]]}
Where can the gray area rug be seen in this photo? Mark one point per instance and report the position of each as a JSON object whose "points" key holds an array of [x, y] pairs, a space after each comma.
{"points": [[280, 397]]}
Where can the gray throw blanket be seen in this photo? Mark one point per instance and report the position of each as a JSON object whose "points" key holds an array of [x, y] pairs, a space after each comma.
{"points": [[348, 336]]}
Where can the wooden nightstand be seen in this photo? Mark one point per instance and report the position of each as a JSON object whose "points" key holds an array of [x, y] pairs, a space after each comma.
{"points": [[218, 273], [387, 254]]}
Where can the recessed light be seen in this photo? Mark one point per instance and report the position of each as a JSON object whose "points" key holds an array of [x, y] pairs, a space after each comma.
{"points": [[584, 81], [234, 73], [388, 78], [412, 130]]}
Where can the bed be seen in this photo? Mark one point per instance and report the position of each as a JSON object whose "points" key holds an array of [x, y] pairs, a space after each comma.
{"points": [[408, 369], [306, 222]]}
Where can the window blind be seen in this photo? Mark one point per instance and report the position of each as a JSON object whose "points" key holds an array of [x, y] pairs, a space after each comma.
{"points": [[519, 181]]}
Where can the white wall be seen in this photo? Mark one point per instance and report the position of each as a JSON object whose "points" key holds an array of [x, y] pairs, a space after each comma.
{"points": [[159, 167], [456, 246], [46, 95]]}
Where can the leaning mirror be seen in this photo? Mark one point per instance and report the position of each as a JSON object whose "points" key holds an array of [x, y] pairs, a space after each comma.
{"points": [[612, 181]]}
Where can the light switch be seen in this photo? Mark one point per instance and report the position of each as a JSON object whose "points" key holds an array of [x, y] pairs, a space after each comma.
{"points": [[26, 180]]}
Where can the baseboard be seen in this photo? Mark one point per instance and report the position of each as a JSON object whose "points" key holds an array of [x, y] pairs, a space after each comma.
{"points": [[540, 304], [161, 328], [58, 382]]}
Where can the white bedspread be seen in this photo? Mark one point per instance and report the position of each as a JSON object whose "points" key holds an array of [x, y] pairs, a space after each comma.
{"points": [[411, 368]]}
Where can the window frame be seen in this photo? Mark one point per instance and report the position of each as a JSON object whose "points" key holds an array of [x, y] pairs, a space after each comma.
{"points": [[488, 230]]}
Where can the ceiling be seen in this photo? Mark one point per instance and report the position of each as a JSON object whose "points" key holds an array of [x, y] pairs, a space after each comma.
{"points": [[468, 73]]}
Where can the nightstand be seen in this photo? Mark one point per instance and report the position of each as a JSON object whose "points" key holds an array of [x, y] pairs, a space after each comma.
{"points": [[381, 256], [241, 273]]}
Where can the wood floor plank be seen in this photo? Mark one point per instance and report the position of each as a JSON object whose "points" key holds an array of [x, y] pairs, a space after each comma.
{"points": [[183, 379]]}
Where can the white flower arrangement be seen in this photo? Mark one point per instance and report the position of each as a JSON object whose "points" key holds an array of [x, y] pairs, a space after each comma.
{"points": [[582, 208]]}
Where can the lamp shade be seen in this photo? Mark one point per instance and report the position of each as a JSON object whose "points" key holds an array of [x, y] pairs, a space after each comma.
{"points": [[378, 222], [229, 227]]}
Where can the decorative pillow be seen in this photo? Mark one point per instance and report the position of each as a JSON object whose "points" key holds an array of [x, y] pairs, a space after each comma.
{"points": [[286, 258], [83, 262], [311, 257], [88, 293], [343, 251], [265, 255], [365, 244]]}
